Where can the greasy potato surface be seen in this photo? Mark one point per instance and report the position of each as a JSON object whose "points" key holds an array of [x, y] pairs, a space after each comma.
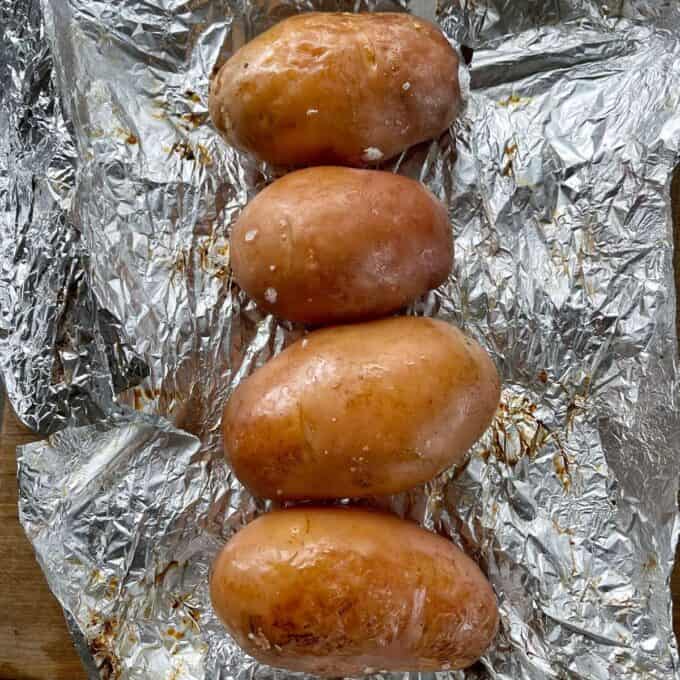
{"points": [[360, 410], [340, 591], [332, 244], [337, 88]]}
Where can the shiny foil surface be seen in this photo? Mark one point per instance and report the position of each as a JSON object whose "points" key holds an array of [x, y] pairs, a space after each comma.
{"points": [[122, 333]]}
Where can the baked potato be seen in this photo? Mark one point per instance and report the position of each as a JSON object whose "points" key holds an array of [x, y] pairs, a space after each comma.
{"points": [[360, 410], [332, 244], [345, 592], [337, 88]]}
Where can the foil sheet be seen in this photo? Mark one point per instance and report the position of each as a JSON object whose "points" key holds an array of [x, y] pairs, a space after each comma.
{"points": [[115, 191], [61, 357]]}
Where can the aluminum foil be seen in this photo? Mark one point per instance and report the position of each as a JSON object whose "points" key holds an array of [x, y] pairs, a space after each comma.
{"points": [[61, 357], [115, 191]]}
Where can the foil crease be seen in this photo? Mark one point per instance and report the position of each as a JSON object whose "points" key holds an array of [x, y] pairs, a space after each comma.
{"points": [[557, 176]]}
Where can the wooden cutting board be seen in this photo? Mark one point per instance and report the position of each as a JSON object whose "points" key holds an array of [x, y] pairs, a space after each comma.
{"points": [[34, 641]]}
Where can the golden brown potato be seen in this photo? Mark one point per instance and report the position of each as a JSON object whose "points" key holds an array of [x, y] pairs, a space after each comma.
{"points": [[340, 591], [332, 244], [336, 88], [360, 410]]}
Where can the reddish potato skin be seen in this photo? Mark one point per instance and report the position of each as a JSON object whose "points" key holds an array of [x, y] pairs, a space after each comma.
{"points": [[330, 245], [360, 410], [343, 591], [337, 88]]}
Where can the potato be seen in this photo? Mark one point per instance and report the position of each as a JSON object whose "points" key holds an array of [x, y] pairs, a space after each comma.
{"points": [[360, 410], [337, 88], [342, 591], [332, 244]]}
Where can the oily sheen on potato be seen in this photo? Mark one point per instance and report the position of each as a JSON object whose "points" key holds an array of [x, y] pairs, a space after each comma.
{"points": [[337, 88], [360, 410], [342, 591], [332, 244]]}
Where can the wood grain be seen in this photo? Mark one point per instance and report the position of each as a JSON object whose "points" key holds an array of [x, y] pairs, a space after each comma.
{"points": [[34, 642]]}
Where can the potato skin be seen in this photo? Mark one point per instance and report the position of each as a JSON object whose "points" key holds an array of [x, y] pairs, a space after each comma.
{"points": [[360, 410], [343, 591], [332, 244], [337, 88]]}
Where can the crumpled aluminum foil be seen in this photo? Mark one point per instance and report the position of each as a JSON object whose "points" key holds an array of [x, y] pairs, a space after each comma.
{"points": [[61, 358], [115, 189]]}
